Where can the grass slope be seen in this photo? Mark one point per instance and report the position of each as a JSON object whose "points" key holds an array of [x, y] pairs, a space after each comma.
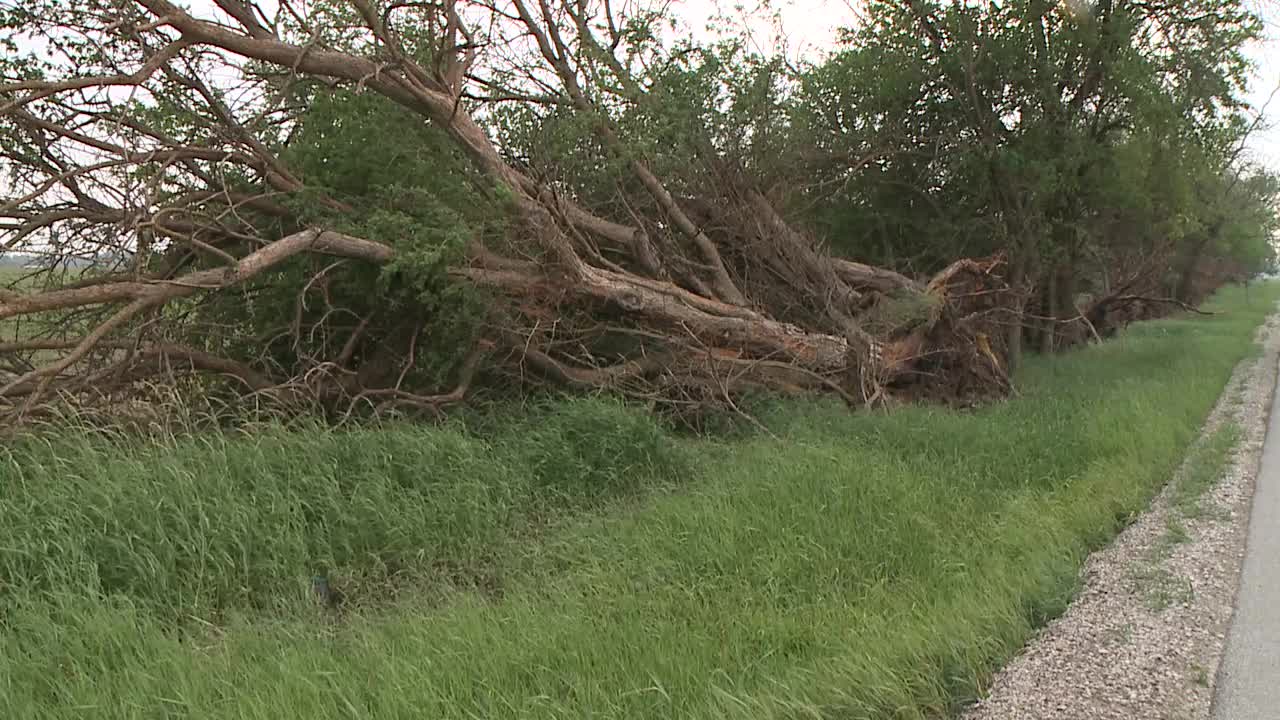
{"points": [[584, 562]]}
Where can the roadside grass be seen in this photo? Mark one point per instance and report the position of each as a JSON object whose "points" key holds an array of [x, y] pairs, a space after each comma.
{"points": [[1205, 462], [585, 562], [1205, 465], [197, 527], [1163, 589]]}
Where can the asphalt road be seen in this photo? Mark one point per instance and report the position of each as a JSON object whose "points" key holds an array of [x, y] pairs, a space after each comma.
{"points": [[1249, 678]]}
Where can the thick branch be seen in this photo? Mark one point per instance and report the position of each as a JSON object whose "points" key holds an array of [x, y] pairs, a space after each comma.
{"points": [[320, 241]]}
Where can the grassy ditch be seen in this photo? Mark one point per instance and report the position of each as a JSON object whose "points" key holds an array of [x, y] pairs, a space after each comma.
{"points": [[585, 562]]}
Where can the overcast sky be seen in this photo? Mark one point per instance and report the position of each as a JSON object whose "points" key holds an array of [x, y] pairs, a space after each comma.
{"points": [[1265, 144]]}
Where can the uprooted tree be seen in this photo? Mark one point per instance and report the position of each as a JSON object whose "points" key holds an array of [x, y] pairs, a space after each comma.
{"points": [[362, 204]]}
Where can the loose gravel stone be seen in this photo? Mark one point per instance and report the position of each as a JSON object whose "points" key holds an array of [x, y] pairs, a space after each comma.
{"points": [[1145, 636]]}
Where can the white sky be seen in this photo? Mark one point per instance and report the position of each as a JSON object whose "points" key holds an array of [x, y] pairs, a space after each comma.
{"points": [[1265, 144]]}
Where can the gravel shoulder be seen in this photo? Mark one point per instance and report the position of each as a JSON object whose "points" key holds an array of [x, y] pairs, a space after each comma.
{"points": [[1146, 635], [1247, 688]]}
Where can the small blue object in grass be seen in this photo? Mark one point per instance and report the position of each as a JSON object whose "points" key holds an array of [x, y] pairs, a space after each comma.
{"points": [[328, 595]]}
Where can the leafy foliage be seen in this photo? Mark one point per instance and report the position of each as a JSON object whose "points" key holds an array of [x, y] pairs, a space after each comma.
{"points": [[396, 180]]}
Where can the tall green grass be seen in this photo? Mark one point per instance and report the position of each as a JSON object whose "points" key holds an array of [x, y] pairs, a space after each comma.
{"points": [[586, 562], [201, 526]]}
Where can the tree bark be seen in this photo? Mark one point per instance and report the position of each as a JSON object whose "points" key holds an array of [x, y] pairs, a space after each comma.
{"points": [[1049, 327], [1014, 330]]}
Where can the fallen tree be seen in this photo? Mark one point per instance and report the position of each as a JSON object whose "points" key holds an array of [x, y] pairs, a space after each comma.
{"points": [[667, 303], [359, 205]]}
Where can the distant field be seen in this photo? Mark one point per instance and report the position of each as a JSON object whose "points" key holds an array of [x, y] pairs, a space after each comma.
{"points": [[584, 561], [22, 328], [13, 328], [9, 274]]}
